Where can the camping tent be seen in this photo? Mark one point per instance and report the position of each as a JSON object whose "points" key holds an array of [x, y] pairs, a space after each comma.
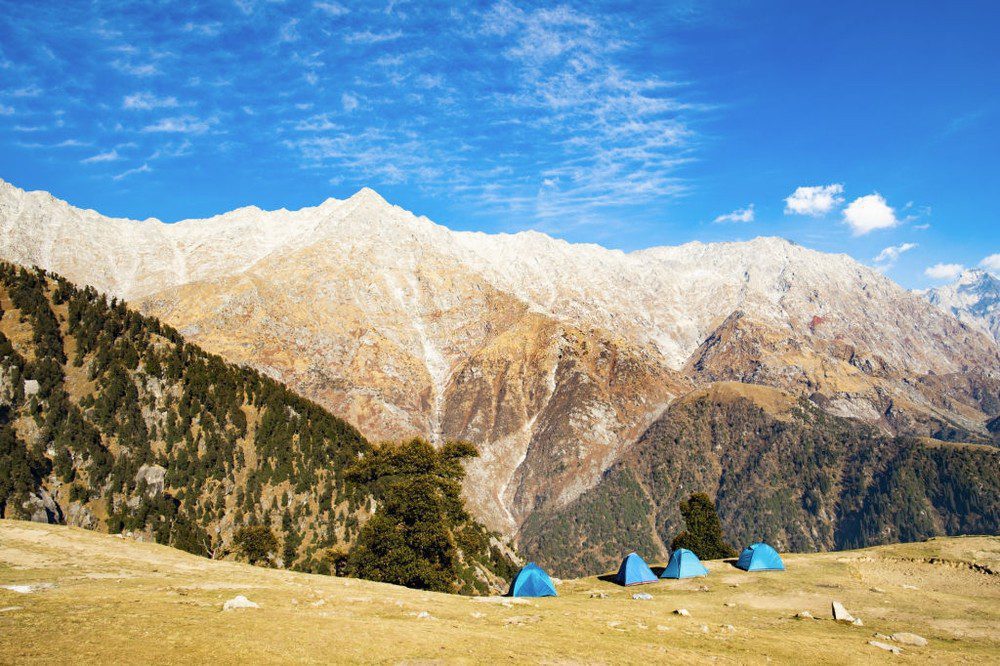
{"points": [[760, 557], [684, 564], [532, 581], [634, 571]]}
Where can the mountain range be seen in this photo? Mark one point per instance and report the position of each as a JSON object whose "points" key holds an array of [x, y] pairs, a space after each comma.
{"points": [[557, 360]]}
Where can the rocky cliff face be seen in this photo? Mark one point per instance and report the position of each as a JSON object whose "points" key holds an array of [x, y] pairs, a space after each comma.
{"points": [[552, 357]]}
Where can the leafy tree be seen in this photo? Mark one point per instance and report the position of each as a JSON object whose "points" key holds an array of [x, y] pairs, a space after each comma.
{"points": [[703, 535], [256, 543]]}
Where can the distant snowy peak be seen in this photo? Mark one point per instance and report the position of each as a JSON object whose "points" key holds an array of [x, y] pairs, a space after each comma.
{"points": [[974, 298]]}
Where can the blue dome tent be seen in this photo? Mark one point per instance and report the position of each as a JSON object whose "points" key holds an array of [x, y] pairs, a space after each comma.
{"points": [[634, 571], [760, 557], [532, 581], [684, 564]]}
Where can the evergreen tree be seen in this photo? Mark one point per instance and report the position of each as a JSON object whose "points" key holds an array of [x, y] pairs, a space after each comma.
{"points": [[703, 535]]}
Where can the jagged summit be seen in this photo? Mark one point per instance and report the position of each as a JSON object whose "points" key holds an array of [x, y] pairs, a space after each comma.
{"points": [[974, 298]]}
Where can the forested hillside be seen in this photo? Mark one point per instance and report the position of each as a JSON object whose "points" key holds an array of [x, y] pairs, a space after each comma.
{"points": [[109, 420], [780, 470]]}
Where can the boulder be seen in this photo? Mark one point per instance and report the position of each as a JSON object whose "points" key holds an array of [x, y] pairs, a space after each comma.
{"points": [[906, 638], [885, 646], [154, 476], [238, 602], [840, 613]]}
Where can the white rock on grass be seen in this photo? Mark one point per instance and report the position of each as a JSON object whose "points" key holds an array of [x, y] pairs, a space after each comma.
{"points": [[885, 646], [840, 613], [424, 615], [642, 596], [906, 638], [804, 615], [28, 588], [239, 602], [683, 612]]}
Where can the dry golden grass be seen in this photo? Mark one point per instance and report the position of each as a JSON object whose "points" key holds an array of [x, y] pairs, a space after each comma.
{"points": [[117, 601]]}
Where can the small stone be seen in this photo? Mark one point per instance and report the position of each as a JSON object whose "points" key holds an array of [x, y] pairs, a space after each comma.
{"points": [[906, 638], [910, 587], [614, 623], [683, 612], [642, 596], [885, 646], [878, 590], [804, 615], [598, 595], [477, 615], [729, 604], [424, 615], [729, 627], [704, 628], [662, 627], [882, 637], [840, 613], [239, 602], [318, 603], [857, 622], [295, 602]]}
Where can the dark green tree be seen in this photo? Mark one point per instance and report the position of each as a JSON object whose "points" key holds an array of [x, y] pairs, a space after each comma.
{"points": [[256, 543], [703, 535]]}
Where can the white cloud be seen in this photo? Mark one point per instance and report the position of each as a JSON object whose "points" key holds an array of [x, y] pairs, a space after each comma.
{"points": [[944, 271], [210, 29], [922, 227], [349, 101], [141, 70], [890, 254], [738, 215], [369, 37], [331, 8], [991, 263], [290, 31], [144, 101], [180, 124], [868, 213], [815, 201], [109, 156], [131, 172]]}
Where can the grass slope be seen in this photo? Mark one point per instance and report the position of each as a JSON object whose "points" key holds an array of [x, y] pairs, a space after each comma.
{"points": [[115, 600]]}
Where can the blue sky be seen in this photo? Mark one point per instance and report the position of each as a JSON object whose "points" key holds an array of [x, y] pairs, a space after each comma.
{"points": [[861, 127]]}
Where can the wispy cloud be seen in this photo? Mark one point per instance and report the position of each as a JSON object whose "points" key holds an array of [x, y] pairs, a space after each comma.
{"points": [[141, 70], [132, 172], [146, 101], [209, 29], [181, 124], [331, 8], [109, 156], [991, 263], [738, 215], [944, 271], [889, 255], [369, 37]]}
